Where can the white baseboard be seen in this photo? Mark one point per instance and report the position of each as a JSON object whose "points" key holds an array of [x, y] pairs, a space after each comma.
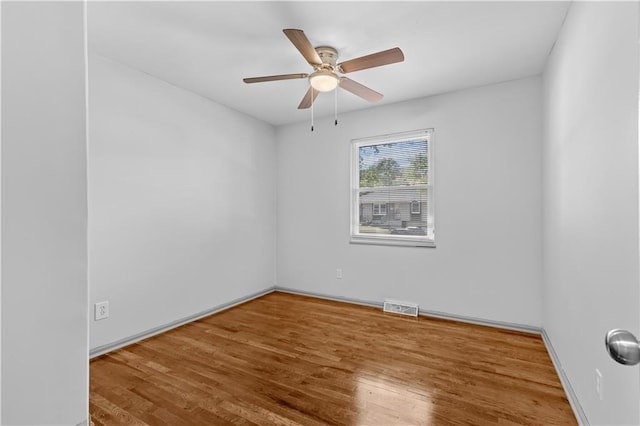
{"points": [[101, 350], [354, 301], [481, 321], [566, 384], [424, 312]]}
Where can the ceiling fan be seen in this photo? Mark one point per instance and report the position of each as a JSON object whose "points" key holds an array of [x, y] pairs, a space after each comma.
{"points": [[327, 74]]}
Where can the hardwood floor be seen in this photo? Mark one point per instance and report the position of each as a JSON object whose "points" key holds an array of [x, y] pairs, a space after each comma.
{"points": [[285, 359]]}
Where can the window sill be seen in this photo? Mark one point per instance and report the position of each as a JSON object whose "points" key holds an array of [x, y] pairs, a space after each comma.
{"points": [[392, 241]]}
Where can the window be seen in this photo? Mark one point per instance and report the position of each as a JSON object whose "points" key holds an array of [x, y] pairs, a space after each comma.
{"points": [[415, 207], [392, 189], [379, 209]]}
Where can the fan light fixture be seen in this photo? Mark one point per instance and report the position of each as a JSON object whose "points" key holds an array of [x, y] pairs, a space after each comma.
{"points": [[323, 80]]}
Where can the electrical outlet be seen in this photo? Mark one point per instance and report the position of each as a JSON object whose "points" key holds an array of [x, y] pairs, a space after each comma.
{"points": [[599, 384], [339, 273], [101, 310]]}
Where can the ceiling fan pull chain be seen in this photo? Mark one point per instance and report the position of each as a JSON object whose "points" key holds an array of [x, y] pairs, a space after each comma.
{"points": [[312, 108], [335, 106]]}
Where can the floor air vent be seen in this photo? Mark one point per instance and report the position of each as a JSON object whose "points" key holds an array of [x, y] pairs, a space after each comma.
{"points": [[403, 308]]}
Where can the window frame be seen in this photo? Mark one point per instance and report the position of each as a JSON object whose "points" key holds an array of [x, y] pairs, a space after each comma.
{"points": [[355, 208]]}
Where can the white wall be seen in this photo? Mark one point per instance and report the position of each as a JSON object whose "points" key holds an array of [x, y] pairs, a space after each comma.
{"points": [[590, 189], [181, 202], [487, 263], [44, 215], [0, 215]]}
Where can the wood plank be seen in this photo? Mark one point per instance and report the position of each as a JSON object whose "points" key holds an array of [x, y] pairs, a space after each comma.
{"points": [[285, 359]]}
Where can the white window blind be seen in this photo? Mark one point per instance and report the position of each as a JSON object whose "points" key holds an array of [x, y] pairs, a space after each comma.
{"points": [[392, 189]]}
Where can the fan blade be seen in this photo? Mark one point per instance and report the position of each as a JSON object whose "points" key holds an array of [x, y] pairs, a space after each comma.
{"points": [[385, 57], [301, 42], [308, 99], [274, 78], [359, 90]]}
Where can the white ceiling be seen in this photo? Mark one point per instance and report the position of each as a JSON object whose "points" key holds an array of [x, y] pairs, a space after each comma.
{"points": [[208, 47]]}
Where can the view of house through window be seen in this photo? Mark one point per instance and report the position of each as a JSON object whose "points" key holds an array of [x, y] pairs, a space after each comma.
{"points": [[392, 189]]}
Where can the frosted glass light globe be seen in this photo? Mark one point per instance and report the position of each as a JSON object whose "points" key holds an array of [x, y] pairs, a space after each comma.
{"points": [[323, 81]]}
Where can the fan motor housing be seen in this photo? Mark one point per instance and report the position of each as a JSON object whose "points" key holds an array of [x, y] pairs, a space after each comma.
{"points": [[328, 55]]}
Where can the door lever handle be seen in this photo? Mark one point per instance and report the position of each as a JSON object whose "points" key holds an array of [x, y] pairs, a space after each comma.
{"points": [[623, 347]]}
